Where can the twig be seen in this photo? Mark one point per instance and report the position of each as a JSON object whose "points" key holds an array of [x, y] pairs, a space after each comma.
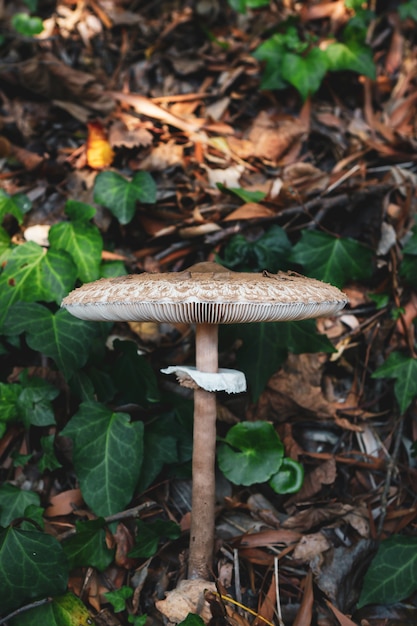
{"points": [[238, 588], [390, 471], [128, 513], [22, 609], [276, 573]]}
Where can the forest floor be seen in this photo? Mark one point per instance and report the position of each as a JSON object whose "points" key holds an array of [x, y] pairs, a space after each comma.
{"points": [[173, 89]]}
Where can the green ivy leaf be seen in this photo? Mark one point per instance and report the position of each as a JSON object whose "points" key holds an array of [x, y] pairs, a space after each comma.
{"points": [[351, 56], [26, 24], [272, 52], [60, 336], [192, 620], [4, 244], [48, 461], [34, 401], [241, 6], [243, 194], [13, 503], [15, 205], [120, 195], [87, 548], [160, 448], [32, 274], [250, 453], [305, 73], [80, 239], [392, 575], [404, 369], [133, 376], [270, 252], [65, 610], [265, 347], [118, 598], [331, 259], [149, 536], [27, 559], [408, 10], [108, 462]]}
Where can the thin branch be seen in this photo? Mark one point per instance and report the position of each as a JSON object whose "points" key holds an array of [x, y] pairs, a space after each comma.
{"points": [[25, 608]]}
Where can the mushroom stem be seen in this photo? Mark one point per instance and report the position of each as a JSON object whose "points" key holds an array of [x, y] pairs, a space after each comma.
{"points": [[204, 454]]}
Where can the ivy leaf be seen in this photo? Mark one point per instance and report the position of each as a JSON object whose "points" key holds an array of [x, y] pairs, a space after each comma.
{"points": [[160, 448], [118, 598], [60, 336], [270, 252], [392, 575], [48, 461], [107, 456], [32, 274], [27, 559], [133, 376], [404, 369], [351, 56], [4, 243], [34, 401], [80, 239], [27, 24], [250, 453], [265, 347], [13, 503], [272, 52], [149, 536], [15, 205], [331, 259], [87, 548], [243, 194], [305, 73], [120, 195], [65, 610]]}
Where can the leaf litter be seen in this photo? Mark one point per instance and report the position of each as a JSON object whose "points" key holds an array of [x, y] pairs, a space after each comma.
{"points": [[175, 93]]}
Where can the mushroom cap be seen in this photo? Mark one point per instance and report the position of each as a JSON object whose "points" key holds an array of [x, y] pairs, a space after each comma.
{"points": [[205, 293]]}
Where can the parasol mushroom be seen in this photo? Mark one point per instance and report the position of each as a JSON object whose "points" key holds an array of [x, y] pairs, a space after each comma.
{"points": [[206, 295]]}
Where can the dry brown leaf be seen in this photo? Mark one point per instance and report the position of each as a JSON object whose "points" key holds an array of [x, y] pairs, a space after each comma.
{"points": [[268, 606], [163, 156], [272, 139], [343, 619], [64, 503], [305, 613], [248, 211], [266, 538], [324, 474], [310, 547], [124, 543], [187, 597], [121, 135]]}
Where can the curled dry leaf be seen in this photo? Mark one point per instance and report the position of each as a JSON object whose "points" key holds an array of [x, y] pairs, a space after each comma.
{"points": [[188, 597], [310, 547], [248, 211]]}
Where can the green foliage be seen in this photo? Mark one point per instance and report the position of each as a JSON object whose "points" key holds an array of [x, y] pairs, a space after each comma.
{"points": [[87, 548], [28, 401], [27, 558], [65, 610], [133, 376], [250, 453], [58, 335], [118, 598], [27, 24], [241, 6], [403, 369], [192, 620], [31, 274], [269, 252], [408, 10], [289, 478], [243, 194], [14, 503], [108, 462], [149, 536], [80, 239], [265, 347], [16, 205], [332, 259], [48, 461], [120, 195], [392, 575], [289, 60]]}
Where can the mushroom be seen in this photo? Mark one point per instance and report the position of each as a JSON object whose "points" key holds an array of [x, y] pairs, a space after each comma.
{"points": [[206, 295]]}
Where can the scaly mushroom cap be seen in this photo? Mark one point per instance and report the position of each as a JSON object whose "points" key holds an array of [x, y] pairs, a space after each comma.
{"points": [[205, 293]]}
